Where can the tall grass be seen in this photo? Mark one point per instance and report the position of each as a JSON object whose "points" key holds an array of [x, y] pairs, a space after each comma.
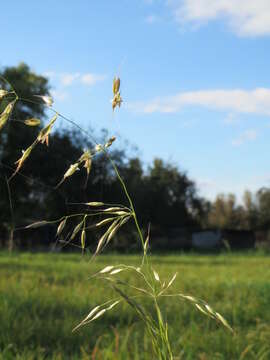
{"points": [[154, 289]]}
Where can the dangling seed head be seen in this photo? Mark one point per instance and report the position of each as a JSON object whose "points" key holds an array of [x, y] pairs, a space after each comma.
{"points": [[32, 122], [48, 100], [5, 114], [61, 227], [3, 93], [83, 235], [116, 85], [71, 170], [45, 132], [116, 101], [110, 141], [98, 148]]}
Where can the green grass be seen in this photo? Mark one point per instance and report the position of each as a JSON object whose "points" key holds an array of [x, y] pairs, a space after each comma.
{"points": [[43, 296]]}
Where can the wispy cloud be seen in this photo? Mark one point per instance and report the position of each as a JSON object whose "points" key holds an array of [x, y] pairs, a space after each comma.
{"points": [[59, 95], [244, 17], [91, 79], [255, 101], [246, 136], [67, 79]]}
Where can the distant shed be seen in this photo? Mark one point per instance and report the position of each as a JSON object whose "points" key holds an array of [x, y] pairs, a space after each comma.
{"points": [[206, 240], [216, 239]]}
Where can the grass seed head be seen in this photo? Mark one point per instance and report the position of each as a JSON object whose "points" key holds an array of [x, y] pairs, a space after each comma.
{"points": [[61, 227], [3, 93], [95, 203], [98, 148], [25, 155], [71, 170], [76, 230], [116, 85], [156, 276], [110, 141], [43, 136], [5, 114], [116, 271], [116, 101], [36, 224], [32, 122], [83, 236], [85, 156], [48, 100], [106, 269]]}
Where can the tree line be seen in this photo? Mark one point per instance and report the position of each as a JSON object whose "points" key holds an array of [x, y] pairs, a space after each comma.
{"points": [[163, 194]]}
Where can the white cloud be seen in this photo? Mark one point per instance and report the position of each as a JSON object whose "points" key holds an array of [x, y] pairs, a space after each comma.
{"points": [[255, 101], [246, 136], [67, 79], [244, 17], [59, 95], [91, 79]]}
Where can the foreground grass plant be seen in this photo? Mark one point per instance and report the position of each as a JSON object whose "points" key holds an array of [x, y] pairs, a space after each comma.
{"points": [[111, 217]]}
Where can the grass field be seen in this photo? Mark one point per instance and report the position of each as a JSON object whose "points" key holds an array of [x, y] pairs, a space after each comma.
{"points": [[43, 296]]}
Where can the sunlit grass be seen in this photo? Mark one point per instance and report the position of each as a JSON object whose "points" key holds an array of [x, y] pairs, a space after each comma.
{"points": [[43, 296]]}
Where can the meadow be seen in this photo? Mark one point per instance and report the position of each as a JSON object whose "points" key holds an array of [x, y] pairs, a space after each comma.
{"points": [[43, 296]]}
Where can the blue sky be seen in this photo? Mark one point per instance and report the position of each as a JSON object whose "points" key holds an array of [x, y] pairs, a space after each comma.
{"points": [[195, 77]]}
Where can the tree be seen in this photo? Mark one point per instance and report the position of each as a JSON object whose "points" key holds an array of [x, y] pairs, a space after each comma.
{"points": [[225, 213], [263, 201], [15, 136], [170, 198], [250, 211]]}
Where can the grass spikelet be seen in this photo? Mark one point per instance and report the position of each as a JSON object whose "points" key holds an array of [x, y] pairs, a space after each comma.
{"points": [[48, 100], [92, 312], [223, 321], [98, 148], [95, 314], [106, 269], [83, 236], [116, 85], [61, 227], [103, 240], [25, 154], [156, 276], [114, 231], [32, 122], [117, 100], [116, 271], [3, 93], [95, 203], [172, 280], [113, 209], [207, 310], [86, 159], [110, 141], [6, 113], [43, 136], [71, 170], [37, 224], [76, 230]]}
